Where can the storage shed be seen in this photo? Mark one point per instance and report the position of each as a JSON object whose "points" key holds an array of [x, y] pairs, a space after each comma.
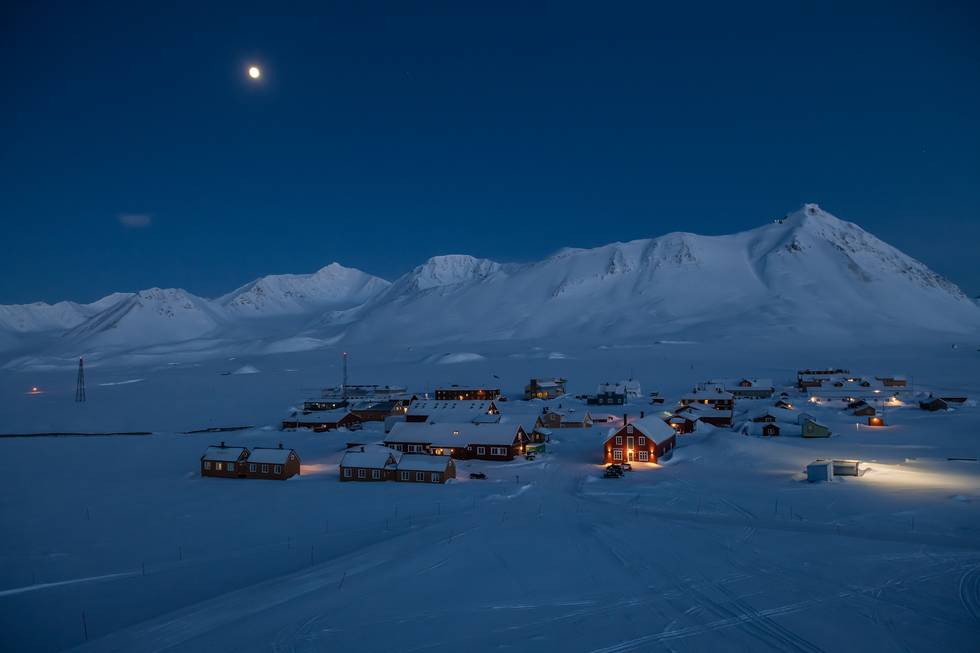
{"points": [[820, 470]]}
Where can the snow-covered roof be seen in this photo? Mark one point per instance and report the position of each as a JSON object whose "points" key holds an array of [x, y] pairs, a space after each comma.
{"points": [[449, 434], [737, 384], [615, 388], [450, 409], [780, 414], [318, 416], [527, 420], [712, 394], [755, 428], [423, 463], [370, 456], [651, 426], [698, 411], [269, 455], [223, 454]]}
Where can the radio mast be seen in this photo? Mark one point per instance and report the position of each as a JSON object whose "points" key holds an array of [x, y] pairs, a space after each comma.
{"points": [[80, 383]]}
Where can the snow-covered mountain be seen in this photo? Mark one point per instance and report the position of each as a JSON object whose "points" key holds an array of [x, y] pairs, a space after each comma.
{"points": [[148, 317], [808, 274], [332, 287]]}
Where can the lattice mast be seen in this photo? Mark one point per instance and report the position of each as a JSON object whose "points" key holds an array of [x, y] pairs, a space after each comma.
{"points": [[80, 383]]}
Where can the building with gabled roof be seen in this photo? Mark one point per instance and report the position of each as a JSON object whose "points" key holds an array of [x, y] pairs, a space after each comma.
{"points": [[224, 462], [322, 420], [544, 388], [420, 468], [453, 410], [463, 440], [370, 462], [276, 463], [714, 397], [466, 393], [647, 439]]}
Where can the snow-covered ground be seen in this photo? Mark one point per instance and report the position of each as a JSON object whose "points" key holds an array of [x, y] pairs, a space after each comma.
{"points": [[724, 547]]}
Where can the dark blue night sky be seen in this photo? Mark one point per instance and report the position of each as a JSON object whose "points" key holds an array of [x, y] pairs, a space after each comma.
{"points": [[382, 134]]}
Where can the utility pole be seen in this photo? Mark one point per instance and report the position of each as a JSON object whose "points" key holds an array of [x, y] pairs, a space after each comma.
{"points": [[80, 383], [343, 387]]}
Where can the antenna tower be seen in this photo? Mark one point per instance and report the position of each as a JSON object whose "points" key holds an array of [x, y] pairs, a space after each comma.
{"points": [[80, 384], [343, 387]]}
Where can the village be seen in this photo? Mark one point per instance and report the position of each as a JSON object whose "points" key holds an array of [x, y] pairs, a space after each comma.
{"points": [[389, 433]]}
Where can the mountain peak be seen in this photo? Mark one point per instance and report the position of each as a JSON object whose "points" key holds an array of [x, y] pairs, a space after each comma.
{"points": [[450, 269]]}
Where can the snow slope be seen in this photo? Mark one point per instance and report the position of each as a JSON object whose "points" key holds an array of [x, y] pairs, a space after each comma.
{"points": [[809, 274], [331, 287]]}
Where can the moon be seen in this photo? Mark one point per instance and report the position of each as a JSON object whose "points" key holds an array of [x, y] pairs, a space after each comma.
{"points": [[254, 72]]}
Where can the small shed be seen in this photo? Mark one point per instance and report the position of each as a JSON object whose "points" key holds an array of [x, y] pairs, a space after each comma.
{"points": [[770, 429], [847, 467], [933, 404], [866, 410], [813, 430], [820, 470]]}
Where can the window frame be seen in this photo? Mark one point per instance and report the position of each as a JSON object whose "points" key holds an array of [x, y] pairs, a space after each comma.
{"points": [[420, 476], [348, 472], [361, 472]]}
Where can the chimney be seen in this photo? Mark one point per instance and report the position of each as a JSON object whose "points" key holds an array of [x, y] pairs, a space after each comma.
{"points": [[362, 448], [625, 419], [222, 444], [641, 415], [280, 445]]}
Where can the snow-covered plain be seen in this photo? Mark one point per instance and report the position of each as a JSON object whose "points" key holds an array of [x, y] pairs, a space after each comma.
{"points": [[724, 547], [116, 543]]}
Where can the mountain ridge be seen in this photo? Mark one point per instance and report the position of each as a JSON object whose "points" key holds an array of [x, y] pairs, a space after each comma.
{"points": [[801, 273]]}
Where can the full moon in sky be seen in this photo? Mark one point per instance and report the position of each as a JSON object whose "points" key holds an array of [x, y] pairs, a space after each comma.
{"points": [[254, 72]]}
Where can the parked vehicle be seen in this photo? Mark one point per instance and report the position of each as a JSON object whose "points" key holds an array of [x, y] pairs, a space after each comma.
{"points": [[615, 469], [627, 467], [478, 476], [611, 474]]}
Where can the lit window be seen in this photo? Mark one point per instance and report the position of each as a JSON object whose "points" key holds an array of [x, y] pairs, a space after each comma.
{"points": [[219, 466], [617, 454]]}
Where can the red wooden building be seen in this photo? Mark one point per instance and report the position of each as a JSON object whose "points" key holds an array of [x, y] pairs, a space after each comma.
{"points": [[647, 439], [224, 461], [419, 468], [466, 393], [497, 441], [239, 462], [322, 420], [369, 463], [273, 463]]}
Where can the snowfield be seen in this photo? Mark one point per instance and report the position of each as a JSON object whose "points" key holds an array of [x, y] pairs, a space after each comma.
{"points": [[723, 547], [115, 542]]}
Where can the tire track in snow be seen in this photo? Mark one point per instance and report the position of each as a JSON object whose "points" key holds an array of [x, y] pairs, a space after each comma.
{"points": [[969, 590]]}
